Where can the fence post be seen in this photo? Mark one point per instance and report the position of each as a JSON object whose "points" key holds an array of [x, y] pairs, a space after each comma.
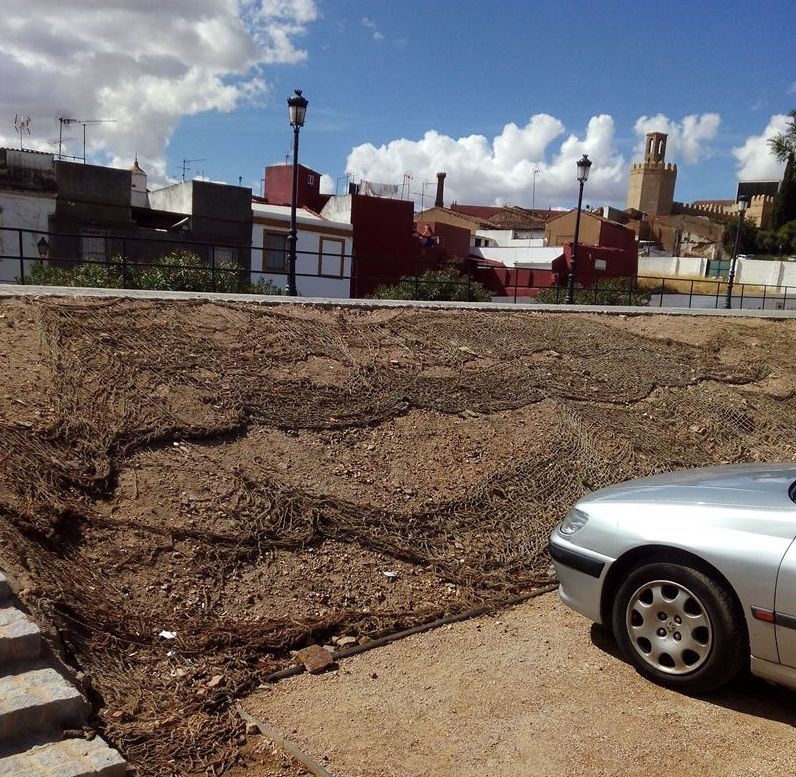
{"points": [[21, 257], [124, 264]]}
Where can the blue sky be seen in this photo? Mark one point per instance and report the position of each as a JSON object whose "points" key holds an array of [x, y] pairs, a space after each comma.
{"points": [[487, 92]]}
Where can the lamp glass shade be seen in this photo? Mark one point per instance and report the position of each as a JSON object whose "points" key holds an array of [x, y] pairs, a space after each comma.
{"points": [[297, 108], [584, 163], [743, 203], [43, 247]]}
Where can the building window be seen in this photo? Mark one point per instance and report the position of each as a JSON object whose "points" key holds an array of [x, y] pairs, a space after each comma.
{"points": [[93, 245], [331, 257], [311, 180], [274, 252], [227, 254]]}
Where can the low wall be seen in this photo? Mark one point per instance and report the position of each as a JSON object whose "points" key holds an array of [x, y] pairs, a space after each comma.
{"points": [[760, 272], [670, 266]]}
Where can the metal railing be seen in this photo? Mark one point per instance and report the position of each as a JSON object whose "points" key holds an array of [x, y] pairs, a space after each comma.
{"points": [[126, 269]]}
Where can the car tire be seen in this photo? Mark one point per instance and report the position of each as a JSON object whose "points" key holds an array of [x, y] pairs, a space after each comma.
{"points": [[680, 627]]}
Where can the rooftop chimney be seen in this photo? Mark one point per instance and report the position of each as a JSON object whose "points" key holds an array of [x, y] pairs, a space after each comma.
{"points": [[440, 189]]}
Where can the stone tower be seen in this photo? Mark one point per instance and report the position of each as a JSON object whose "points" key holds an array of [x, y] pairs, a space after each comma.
{"points": [[651, 185]]}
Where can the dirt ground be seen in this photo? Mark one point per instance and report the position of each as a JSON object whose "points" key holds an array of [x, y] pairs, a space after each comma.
{"points": [[192, 491], [531, 690]]}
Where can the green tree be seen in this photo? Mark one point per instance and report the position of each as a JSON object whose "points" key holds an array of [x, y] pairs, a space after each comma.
{"points": [[435, 285], [748, 242], [783, 146]]}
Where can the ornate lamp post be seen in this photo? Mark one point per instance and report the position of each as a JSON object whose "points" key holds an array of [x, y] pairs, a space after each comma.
{"points": [[743, 204], [297, 109], [584, 163]]}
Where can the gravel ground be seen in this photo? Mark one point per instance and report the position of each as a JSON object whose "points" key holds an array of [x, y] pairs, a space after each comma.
{"points": [[534, 690]]}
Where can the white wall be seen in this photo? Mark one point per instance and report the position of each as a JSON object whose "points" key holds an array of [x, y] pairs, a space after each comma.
{"points": [[672, 266], [25, 211], [766, 272], [759, 272], [316, 275]]}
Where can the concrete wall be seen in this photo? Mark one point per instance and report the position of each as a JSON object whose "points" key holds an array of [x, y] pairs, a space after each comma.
{"points": [[668, 266], [758, 272], [766, 272]]}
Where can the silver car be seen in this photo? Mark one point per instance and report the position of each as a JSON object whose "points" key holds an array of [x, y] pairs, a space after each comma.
{"points": [[694, 571]]}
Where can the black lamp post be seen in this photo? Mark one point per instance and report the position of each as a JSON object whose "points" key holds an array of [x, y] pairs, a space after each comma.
{"points": [[297, 109], [743, 204], [584, 163]]}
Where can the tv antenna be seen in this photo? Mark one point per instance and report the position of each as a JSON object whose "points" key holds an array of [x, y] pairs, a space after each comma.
{"points": [[22, 126], [186, 165], [65, 121]]}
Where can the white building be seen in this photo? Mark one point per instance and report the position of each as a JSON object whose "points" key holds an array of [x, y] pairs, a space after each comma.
{"points": [[323, 251], [512, 250], [27, 201]]}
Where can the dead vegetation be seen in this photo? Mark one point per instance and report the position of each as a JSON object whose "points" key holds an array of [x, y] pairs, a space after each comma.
{"points": [[190, 491]]}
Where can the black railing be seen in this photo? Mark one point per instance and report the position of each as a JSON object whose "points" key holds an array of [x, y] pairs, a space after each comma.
{"points": [[126, 269]]}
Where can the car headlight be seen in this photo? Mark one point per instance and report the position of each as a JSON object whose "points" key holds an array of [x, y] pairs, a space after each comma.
{"points": [[575, 521]]}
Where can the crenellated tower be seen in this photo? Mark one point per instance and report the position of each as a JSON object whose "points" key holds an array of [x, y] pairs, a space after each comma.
{"points": [[651, 184]]}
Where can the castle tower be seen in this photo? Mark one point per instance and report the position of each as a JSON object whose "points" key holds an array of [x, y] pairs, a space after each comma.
{"points": [[651, 184]]}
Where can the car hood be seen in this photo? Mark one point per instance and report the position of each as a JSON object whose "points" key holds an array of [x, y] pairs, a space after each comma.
{"points": [[758, 486]]}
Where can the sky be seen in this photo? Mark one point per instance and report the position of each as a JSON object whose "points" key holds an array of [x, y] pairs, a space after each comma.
{"points": [[503, 97]]}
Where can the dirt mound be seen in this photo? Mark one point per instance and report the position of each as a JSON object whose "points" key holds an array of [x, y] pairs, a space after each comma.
{"points": [[192, 490]]}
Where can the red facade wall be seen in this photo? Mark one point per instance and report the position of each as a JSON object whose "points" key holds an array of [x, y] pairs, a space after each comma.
{"points": [[279, 187], [385, 246]]}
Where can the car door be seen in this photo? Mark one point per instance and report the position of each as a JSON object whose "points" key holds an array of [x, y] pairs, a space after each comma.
{"points": [[785, 607]]}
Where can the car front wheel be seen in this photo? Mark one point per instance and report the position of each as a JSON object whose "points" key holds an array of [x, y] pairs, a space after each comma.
{"points": [[680, 627]]}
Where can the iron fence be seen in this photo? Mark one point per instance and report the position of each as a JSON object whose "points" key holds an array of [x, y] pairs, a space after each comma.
{"points": [[23, 260]]}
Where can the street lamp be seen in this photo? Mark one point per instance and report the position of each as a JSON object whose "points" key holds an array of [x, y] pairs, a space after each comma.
{"points": [[297, 110], [584, 163], [533, 193], [743, 204], [44, 247]]}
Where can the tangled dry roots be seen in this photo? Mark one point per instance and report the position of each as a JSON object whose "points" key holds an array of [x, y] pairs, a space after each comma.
{"points": [[126, 377]]}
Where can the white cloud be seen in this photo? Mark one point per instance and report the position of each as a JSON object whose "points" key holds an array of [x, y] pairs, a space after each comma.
{"points": [[755, 160], [144, 65], [482, 172], [689, 139]]}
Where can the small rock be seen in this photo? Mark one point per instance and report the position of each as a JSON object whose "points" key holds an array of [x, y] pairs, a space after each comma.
{"points": [[315, 659], [252, 728], [346, 641]]}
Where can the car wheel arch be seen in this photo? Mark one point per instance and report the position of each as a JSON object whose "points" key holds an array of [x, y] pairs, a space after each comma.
{"points": [[649, 554]]}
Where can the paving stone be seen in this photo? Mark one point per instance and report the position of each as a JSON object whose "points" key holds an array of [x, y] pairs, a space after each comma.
{"points": [[66, 758], [38, 700], [20, 638]]}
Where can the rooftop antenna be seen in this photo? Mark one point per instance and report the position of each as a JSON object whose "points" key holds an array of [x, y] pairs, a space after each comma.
{"points": [[186, 165], [22, 126], [65, 120], [405, 186]]}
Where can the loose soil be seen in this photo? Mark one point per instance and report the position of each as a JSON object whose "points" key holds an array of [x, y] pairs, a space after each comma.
{"points": [[192, 491]]}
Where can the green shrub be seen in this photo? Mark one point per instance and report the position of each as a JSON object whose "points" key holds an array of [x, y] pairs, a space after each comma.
{"points": [[91, 275], [178, 270], [609, 291], [435, 285]]}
